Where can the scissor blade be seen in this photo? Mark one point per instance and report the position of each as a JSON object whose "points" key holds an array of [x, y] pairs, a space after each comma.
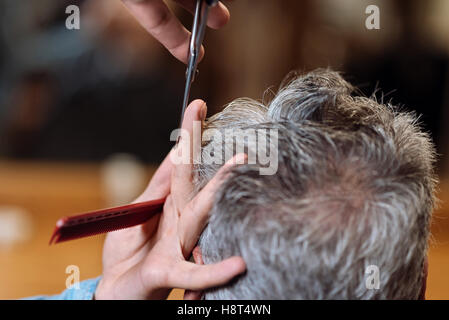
{"points": [[190, 76], [185, 100], [199, 27]]}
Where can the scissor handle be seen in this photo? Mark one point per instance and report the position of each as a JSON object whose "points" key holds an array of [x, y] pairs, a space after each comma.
{"points": [[211, 2]]}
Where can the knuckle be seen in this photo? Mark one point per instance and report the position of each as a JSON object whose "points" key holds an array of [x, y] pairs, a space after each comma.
{"points": [[162, 18], [158, 275], [193, 205]]}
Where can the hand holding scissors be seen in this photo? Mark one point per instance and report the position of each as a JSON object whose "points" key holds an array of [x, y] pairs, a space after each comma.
{"points": [[156, 17]]}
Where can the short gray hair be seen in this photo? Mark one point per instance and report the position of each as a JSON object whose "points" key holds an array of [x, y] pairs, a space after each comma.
{"points": [[355, 187]]}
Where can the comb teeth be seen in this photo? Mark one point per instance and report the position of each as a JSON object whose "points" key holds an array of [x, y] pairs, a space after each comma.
{"points": [[106, 220]]}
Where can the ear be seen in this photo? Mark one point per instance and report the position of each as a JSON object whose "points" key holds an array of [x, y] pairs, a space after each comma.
{"points": [[197, 255], [425, 270]]}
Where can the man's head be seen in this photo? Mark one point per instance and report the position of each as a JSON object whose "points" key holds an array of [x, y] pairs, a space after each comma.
{"points": [[354, 188]]}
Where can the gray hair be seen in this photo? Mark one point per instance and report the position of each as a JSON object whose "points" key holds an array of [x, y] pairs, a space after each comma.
{"points": [[355, 187]]}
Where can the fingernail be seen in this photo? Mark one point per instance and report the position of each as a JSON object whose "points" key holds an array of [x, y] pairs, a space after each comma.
{"points": [[203, 113], [238, 159], [241, 158]]}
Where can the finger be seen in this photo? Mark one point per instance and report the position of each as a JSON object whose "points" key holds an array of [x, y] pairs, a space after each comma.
{"points": [[196, 214], [169, 219], [194, 277], [182, 186], [198, 258], [159, 186], [161, 23], [218, 15]]}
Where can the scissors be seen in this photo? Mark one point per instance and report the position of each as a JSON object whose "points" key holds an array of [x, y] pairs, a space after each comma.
{"points": [[199, 27], [107, 220]]}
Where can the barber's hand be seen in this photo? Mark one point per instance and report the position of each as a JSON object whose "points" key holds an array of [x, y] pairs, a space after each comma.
{"points": [[147, 261], [159, 21]]}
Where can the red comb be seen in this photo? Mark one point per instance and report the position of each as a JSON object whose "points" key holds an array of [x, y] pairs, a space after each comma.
{"points": [[105, 220]]}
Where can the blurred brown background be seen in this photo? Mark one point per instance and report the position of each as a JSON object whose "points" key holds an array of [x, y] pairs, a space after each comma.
{"points": [[85, 115]]}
